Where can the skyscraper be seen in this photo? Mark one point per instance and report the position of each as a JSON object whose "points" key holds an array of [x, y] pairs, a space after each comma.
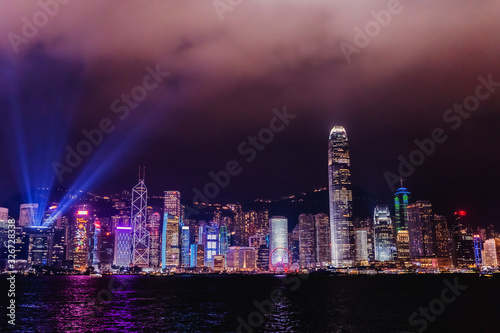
{"points": [[172, 220], [123, 245], [361, 237], [383, 234], [28, 215], [339, 180], [420, 229], [322, 235], [401, 235], [153, 227], [278, 240], [307, 247], [81, 235], [490, 253], [441, 236], [140, 238]]}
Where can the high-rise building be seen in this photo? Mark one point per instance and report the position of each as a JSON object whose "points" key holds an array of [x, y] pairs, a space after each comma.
{"points": [[95, 246], [339, 180], [490, 253], [140, 235], [478, 249], [210, 242], [153, 227], [41, 240], [171, 241], [278, 241], [185, 247], [123, 246], [322, 240], [107, 250], [420, 229], [173, 203], [4, 216], [383, 234], [28, 215], [307, 246], [401, 199], [361, 238], [241, 258], [81, 238], [441, 236]]}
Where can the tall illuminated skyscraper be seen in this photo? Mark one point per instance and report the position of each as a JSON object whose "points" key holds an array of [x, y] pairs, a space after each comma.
{"points": [[278, 240], [140, 238], [81, 234], [322, 235], [339, 180], [307, 247], [401, 199], [420, 229], [28, 215], [383, 238], [171, 251]]}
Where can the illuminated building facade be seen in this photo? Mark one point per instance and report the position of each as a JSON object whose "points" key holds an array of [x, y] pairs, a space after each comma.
{"points": [[322, 240], [28, 215], [123, 245], [172, 203], [241, 258], [401, 199], [478, 250], [210, 242], [40, 245], [81, 235], [441, 236], [278, 240], [403, 245], [172, 248], [140, 233], [361, 239], [185, 246], [219, 263], [383, 234], [420, 229], [339, 180], [490, 253], [307, 245], [153, 227]]}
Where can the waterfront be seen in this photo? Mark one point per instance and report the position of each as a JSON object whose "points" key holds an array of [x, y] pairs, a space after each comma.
{"points": [[381, 303]]}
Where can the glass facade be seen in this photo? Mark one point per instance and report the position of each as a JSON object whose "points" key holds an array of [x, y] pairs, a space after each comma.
{"points": [[383, 237]]}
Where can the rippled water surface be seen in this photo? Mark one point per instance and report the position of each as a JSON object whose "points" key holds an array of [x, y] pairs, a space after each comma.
{"points": [[214, 304]]}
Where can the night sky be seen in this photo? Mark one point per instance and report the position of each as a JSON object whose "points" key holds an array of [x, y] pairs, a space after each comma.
{"points": [[226, 77]]}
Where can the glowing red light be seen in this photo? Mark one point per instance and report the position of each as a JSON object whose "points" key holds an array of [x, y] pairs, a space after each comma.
{"points": [[461, 213]]}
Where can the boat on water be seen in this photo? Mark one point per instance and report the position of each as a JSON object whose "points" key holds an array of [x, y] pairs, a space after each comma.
{"points": [[96, 275]]}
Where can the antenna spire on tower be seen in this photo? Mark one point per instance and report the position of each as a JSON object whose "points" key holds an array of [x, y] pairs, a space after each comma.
{"points": [[401, 180]]}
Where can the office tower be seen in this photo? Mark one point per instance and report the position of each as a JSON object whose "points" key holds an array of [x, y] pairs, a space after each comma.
{"points": [[81, 238], [490, 253], [171, 248], [322, 239], [224, 239], [140, 234], [59, 247], [173, 203], [339, 180], [294, 245], [441, 236], [241, 258], [123, 245], [250, 224], [403, 246], [153, 227], [307, 246], [383, 234], [200, 256], [263, 257], [107, 250], [185, 259], [4, 216], [172, 220], [210, 242], [463, 242], [478, 250], [193, 251], [95, 246], [361, 241], [420, 229], [401, 199], [40, 245], [278, 241], [28, 215]]}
